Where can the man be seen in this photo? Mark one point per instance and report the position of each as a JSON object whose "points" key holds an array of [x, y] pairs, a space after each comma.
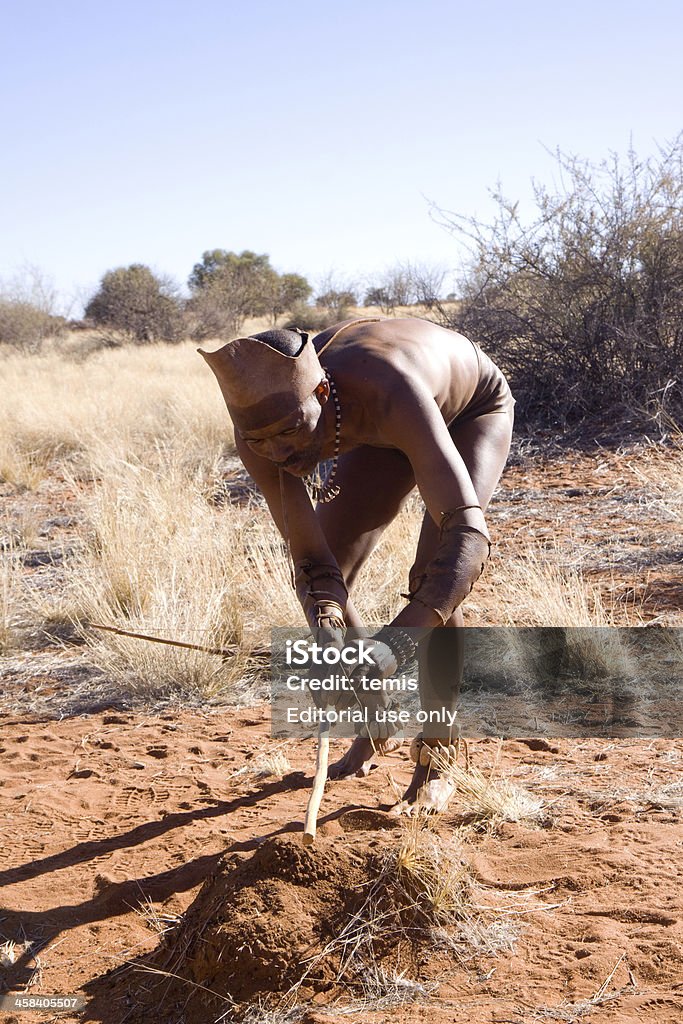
{"points": [[395, 403]]}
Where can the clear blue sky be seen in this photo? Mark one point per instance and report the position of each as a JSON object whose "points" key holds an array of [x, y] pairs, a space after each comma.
{"points": [[150, 131]]}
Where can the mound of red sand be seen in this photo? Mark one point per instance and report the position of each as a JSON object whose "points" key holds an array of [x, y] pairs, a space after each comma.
{"points": [[253, 924], [251, 930]]}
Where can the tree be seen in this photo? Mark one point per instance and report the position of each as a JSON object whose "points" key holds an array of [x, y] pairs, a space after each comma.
{"points": [[406, 284], [288, 291], [335, 295], [228, 287], [427, 284], [583, 304], [28, 309], [337, 302], [138, 304], [376, 295], [395, 288], [219, 265]]}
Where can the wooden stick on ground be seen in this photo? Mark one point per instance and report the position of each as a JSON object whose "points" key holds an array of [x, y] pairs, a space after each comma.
{"points": [[319, 779], [224, 652]]}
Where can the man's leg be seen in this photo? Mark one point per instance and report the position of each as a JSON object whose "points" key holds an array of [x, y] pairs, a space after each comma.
{"points": [[483, 443], [373, 486]]}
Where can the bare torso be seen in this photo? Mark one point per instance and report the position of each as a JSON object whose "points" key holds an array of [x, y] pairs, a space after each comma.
{"points": [[374, 363]]}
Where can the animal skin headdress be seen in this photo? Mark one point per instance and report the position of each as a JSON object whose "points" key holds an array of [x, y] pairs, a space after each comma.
{"points": [[261, 385]]}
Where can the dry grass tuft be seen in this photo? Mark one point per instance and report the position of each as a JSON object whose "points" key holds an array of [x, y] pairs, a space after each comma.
{"points": [[486, 935], [10, 591], [25, 468], [666, 796], [260, 1013], [569, 1013], [432, 873], [265, 765], [385, 990], [662, 473], [489, 799], [540, 587]]}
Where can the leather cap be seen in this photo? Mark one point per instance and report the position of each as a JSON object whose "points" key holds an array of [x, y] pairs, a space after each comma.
{"points": [[261, 385]]}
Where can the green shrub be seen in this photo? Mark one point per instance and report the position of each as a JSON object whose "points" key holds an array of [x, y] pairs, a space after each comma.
{"points": [[583, 305], [136, 305], [25, 326], [314, 318], [228, 287]]}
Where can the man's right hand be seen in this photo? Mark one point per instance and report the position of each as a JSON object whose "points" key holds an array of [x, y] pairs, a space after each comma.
{"points": [[351, 693], [377, 697]]}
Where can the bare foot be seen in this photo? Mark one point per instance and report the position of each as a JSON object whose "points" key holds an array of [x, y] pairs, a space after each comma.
{"points": [[358, 758], [356, 761], [427, 793]]}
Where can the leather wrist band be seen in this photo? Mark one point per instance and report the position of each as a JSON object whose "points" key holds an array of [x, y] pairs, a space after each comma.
{"points": [[330, 614], [400, 643]]}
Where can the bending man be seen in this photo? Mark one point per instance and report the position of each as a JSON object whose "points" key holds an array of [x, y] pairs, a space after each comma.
{"points": [[396, 404]]}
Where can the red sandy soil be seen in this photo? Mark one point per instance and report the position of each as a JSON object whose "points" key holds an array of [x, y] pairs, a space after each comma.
{"points": [[110, 818], [104, 813]]}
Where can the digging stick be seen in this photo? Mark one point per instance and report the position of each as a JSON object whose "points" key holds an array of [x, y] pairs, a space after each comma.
{"points": [[311, 819]]}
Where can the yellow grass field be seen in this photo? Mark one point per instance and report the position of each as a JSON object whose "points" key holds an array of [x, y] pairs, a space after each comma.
{"points": [[173, 539]]}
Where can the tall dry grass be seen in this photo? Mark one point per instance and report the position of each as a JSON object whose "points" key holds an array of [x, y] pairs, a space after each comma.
{"points": [[548, 587], [163, 561], [146, 429], [142, 436], [126, 401], [492, 798], [662, 473], [10, 590]]}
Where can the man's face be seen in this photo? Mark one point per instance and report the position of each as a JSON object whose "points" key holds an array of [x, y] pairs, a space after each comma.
{"points": [[298, 441]]}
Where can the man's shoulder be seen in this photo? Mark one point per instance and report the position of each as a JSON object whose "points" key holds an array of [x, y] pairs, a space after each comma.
{"points": [[346, 330], [382, 326]]}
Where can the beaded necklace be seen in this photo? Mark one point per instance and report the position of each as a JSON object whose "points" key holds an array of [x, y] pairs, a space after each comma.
{"points": [[328, 491]]}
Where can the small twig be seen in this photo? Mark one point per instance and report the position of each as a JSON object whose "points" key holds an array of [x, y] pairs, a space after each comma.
{"points": [[178, 977], [600, 994]]}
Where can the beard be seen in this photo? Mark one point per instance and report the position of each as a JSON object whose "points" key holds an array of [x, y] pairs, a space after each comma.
{"points": [[303, 463]]}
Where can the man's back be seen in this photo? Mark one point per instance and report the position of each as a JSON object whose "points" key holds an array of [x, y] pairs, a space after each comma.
{"points": [[373, 354]]}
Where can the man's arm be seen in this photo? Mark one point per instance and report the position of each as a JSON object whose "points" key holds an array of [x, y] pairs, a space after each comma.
{"points": [[319, 582], [414, 424]]}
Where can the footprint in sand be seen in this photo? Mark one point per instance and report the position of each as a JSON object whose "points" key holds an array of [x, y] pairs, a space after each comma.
{"points": [[130, 798]]}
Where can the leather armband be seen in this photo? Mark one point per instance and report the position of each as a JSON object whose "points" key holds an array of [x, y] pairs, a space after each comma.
{"points": [[320, 603], [458, 563]]}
